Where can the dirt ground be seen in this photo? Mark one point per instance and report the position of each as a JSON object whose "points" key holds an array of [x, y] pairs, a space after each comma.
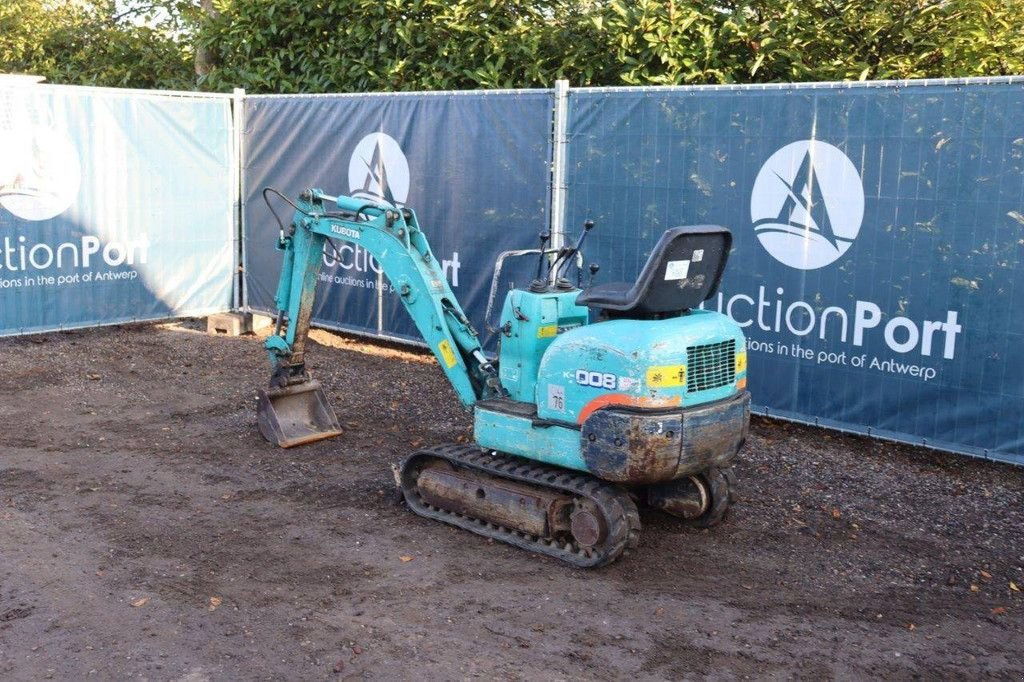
{"points": [[148, 532]]}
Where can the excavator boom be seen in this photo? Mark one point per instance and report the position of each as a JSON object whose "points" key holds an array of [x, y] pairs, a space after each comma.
{"points": [[295, 409]]}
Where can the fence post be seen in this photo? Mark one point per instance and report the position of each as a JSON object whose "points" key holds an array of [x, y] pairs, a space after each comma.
{"points": [[560, 143], [241, 297]]}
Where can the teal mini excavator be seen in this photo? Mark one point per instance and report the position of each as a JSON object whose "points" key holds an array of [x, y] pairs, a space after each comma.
{"points": [[575, 422]]}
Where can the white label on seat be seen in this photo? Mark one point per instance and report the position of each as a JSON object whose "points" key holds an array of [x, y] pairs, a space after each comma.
{"points": [[677, 269], [698, 255]]}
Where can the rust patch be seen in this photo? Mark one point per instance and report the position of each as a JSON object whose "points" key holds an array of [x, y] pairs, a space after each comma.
{"points": [[713, 435], [653, 452], [641, 446], [632, 446], [684, 498], [506, 503]]}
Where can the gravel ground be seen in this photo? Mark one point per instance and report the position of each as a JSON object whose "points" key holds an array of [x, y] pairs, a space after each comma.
{"points": [[148, 532]]}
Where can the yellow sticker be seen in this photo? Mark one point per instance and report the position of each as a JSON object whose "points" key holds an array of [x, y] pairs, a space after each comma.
{"points": [[546, 332], [741, 362], [666, 376], [447, 353]]}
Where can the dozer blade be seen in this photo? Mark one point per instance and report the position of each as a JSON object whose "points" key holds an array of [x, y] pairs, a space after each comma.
{"points": [[296, 414]]}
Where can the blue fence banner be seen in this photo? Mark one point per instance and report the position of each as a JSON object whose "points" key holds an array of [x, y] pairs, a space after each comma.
{"points": [[475, 166], [878, 228], [114, 207], [878, 236]]}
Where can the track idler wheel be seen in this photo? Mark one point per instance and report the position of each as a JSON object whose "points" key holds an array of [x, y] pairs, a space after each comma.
{"points": [[700, 501]]}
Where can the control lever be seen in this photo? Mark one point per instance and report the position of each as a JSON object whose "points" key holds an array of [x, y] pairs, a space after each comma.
{"points": [[594, 267], [544, 237], [570, 253]]}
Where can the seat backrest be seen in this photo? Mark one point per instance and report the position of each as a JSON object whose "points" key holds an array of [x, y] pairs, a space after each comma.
{"points": [[683, 271]]}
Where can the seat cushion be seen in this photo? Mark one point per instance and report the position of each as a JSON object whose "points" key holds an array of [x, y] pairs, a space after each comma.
{"points": [[610, 294]]}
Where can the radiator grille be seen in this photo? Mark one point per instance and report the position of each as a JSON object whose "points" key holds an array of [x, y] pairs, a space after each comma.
{"points": [[710, 366]]}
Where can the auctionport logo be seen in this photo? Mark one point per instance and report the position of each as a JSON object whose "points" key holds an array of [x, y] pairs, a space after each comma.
{"points": [[378, 170], [40, 175], [39, 172], [807, 204]]}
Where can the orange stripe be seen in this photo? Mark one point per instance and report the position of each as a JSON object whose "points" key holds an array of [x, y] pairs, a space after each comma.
{"points": [[626, 400]]}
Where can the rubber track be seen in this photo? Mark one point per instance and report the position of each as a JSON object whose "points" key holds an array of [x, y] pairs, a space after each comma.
{"points": [[620, 513]]}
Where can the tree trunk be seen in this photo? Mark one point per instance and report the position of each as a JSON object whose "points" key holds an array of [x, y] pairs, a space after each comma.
{"points": [[206, 58]]}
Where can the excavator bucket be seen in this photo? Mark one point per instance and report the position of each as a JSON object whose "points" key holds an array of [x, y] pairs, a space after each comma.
{"points": [[296, 414]]}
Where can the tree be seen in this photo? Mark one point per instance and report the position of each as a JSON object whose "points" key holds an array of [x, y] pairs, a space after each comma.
{"points": [[91, 43], [986, 38], [381, 45], [356, 45], [659, 42]]}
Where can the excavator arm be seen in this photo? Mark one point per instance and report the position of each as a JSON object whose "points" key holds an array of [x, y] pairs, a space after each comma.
{"points": [[295, 410]]}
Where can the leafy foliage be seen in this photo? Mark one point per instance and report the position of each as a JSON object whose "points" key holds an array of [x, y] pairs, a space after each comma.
{"points": [[381, 45], [358, 45], [90, 43], [355, 45], [829, 40]]}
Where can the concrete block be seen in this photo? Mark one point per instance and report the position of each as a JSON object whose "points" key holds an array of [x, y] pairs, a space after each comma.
{"points": [[261, 322], [229, 324]]}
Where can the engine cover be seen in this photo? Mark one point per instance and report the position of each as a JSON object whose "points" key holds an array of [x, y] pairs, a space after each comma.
{"points": [[696, 358]]}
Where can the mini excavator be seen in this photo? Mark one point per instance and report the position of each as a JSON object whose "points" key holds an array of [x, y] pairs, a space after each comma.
{"points": [[576, 422]]}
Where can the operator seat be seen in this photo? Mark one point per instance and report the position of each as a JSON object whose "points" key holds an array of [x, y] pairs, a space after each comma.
{"points": [[683, 270]]}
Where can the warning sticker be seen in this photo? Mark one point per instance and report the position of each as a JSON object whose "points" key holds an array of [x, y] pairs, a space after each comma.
{"points": [[698, 255], [666, 376], [447, 353], [677, 269]]}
